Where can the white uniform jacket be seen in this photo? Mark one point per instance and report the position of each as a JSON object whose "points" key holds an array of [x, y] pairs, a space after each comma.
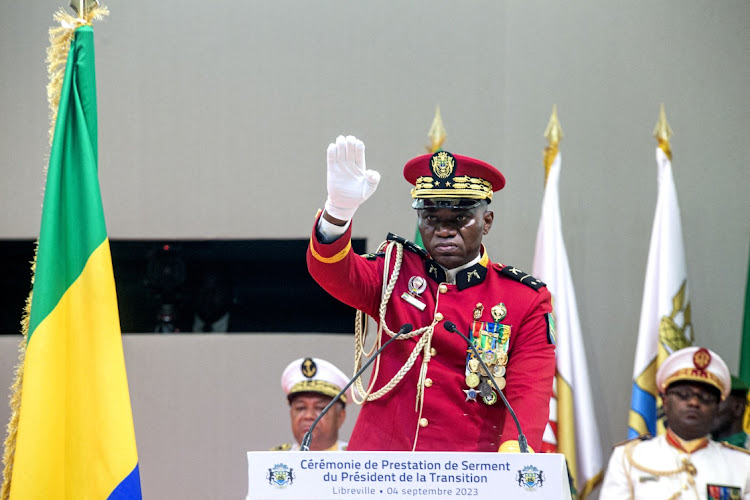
{"points": [[655, 469]]}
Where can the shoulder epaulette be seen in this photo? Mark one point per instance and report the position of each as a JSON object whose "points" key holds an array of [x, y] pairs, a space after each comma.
{"points": [[518, 275], [409, 245], [642, 437], [282, 447], [733, 447]]}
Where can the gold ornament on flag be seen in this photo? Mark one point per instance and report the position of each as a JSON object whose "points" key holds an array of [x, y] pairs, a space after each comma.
{"points": [[554, 134], [437, 133], [663, 132]]}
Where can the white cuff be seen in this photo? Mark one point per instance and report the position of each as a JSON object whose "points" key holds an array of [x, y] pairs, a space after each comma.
{"points": [[328, 233]]}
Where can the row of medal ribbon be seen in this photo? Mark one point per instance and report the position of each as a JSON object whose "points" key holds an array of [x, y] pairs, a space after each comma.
{"points": [[491, 340]]}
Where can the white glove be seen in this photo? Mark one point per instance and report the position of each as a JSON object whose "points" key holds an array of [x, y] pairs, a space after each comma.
{"points": [[349, 182]]}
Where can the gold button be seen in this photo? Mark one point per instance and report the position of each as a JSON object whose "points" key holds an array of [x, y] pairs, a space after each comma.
{"points": [[423, 422], [428, 382], [433, 352], [439, 316], [443, 288]]}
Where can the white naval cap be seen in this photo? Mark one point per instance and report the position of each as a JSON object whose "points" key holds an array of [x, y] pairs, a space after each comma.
{"points": [[695, 364], [313, 375]]}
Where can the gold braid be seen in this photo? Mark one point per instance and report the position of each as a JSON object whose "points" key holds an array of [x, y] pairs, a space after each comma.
{"points": [[686, 466], [360, 333]]}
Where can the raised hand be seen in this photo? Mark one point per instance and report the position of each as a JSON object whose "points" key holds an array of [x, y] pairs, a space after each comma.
{"points": [[349, 182]]}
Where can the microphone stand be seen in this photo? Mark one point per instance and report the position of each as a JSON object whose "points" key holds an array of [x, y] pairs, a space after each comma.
{"points": [[522, 443], [305, 444]]}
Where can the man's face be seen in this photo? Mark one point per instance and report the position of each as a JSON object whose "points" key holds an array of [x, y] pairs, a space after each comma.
{"points": [[305, 408], [453, 236], [690, 409]]}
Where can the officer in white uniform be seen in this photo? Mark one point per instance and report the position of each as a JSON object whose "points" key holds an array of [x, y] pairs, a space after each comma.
{"points": [[683, 463], [310, 384]]}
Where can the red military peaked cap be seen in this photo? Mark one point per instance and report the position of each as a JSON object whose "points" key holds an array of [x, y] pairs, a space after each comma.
{"points": [[445, 175]]}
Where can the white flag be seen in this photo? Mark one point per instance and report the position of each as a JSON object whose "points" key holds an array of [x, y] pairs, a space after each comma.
{"points": [[573, 426], [665, 310]]}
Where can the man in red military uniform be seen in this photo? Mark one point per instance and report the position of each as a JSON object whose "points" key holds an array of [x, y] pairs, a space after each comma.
{"points": [[428, 392]]}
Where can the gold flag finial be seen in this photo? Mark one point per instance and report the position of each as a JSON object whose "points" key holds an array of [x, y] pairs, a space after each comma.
{"points": [[437, 133], [554, 134], [82, 7], [663, 132]]}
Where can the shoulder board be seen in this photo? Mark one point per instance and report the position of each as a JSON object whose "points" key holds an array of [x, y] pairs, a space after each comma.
{"points": [[409, 245], [373, 256], [642, 437], [733, 447], [518, 275], [282, 447]]}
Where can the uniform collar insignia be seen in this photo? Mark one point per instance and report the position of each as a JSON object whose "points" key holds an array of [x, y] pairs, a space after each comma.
{"points": [[465, 278], [435, 271], [471, 276]]}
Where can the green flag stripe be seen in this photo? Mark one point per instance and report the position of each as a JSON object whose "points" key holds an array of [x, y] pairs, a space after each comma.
{"points": [[745, 346], [72, 216]]}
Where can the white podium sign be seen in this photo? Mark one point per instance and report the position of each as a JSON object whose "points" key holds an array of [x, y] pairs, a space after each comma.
{"points": [[350, 475]]}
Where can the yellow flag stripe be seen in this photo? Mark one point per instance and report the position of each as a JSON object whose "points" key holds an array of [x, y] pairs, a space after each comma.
{"points": [[76, 436], [566, 426]]}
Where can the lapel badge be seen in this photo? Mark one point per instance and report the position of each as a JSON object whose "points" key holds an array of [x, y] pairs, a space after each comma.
{"points": [[499, 312], [417, 285], [471, 394]]}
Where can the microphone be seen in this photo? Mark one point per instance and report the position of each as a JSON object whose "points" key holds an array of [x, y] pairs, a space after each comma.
{"points": [[522, 443], [305, 444]]}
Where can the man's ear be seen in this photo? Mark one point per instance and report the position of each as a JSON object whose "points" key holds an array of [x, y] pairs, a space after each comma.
{"points": [[488, 216]]}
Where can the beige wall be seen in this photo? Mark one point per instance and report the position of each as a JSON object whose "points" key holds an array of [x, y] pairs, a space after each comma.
{"points": [[214, 119]]}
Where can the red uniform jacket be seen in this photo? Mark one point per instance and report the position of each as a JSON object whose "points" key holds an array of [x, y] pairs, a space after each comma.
{"points": [[449, 422]]}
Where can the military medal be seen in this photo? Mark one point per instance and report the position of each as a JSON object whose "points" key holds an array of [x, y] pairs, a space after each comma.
{"points": [[473, 365], [417, 285], [485, 389], [491, 340], [471, 394], [502, 358], [472, 380], [499, 312], [478, 311], [491, 399]]}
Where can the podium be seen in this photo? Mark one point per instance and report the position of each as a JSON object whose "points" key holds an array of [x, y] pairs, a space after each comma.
{"points": [[354, 475]]}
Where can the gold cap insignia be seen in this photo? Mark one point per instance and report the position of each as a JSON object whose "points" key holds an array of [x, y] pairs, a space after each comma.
{"points": [[309, 368], [442, 164]]}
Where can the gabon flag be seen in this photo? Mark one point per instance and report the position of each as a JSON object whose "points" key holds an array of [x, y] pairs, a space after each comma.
{"points": [[72, 435]]}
